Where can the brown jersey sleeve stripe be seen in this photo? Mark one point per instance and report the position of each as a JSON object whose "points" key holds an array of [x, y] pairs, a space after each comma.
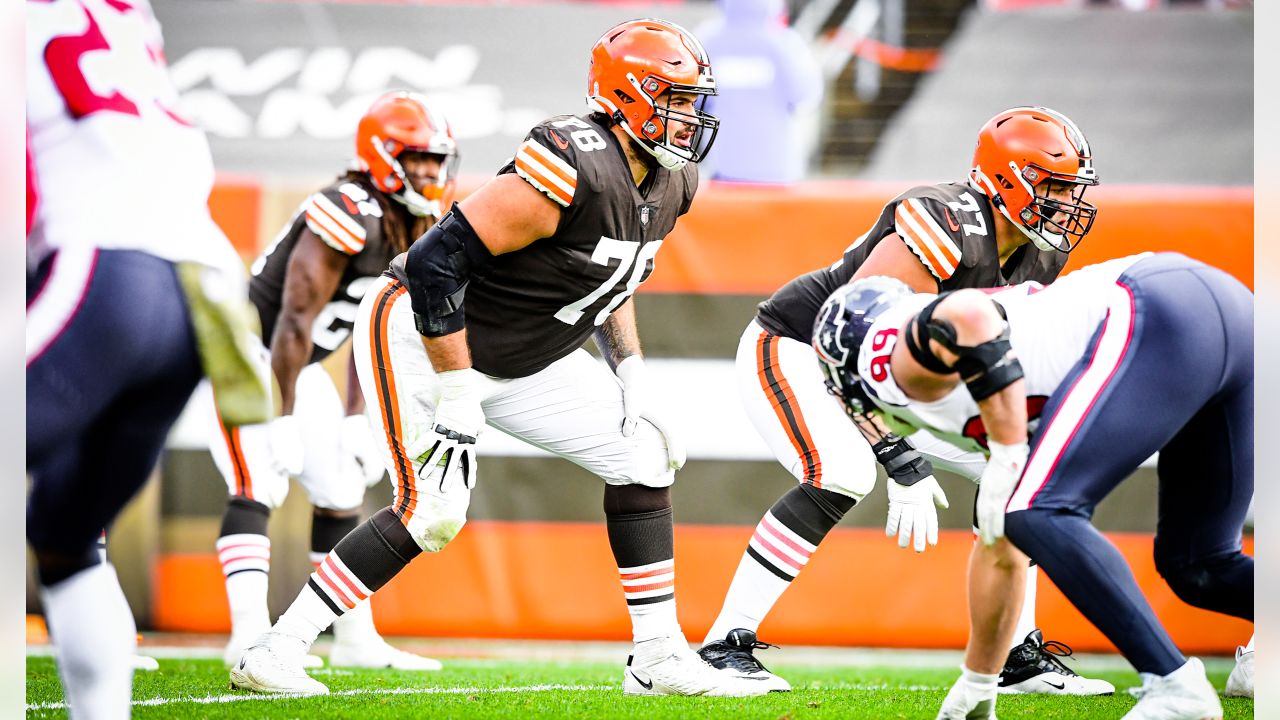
{"points": [[384, 379], [778, 390]]}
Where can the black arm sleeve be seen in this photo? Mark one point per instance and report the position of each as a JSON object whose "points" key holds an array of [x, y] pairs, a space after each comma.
{"points": [[438, 267]]}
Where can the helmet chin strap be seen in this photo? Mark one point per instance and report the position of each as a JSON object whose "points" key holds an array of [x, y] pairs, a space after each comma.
{"points": [[415, 203], [660, 152], [412, 200], [665, 157]]}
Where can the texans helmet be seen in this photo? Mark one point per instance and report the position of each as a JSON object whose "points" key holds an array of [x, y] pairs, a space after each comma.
{"points": [[842, 324]]}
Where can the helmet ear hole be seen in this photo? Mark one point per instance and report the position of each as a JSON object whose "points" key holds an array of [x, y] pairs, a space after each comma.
{"points": [[625, 98]]}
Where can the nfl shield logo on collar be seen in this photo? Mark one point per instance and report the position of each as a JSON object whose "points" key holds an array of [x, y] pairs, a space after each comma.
{"points": [[644, 215]]}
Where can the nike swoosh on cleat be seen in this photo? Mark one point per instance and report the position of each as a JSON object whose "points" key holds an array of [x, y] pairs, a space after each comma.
{"points": [[241, 663], [643, 684], [1054, 685]]}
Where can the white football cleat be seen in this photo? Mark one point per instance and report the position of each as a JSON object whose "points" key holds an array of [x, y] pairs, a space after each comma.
{"points": [[735, 655], [146, 663], [1240, 682], [1035, 666], [377, 653], [1184, 694], [273, 664], [239, 643], [666, 666]]}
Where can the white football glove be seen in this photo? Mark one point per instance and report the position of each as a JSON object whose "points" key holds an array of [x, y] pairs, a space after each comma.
{"points": [[287, 450], [912, 512], [455, 427], [637, 404], [996, 486], [973, 697], [358, 453]]}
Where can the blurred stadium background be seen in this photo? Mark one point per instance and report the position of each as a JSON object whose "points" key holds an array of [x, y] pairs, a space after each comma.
{"points": [[1164, 91]]}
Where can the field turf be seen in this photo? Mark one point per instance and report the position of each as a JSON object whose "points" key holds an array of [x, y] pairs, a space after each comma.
{"points": [[503, 688]]}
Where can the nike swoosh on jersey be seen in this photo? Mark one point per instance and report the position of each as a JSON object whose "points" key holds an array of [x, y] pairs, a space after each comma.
{"points": [[951, 222]]}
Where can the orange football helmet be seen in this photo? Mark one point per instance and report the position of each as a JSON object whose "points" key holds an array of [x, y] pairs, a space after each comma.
{"points": [[636, 62], [400, 122], [1022, 152]]}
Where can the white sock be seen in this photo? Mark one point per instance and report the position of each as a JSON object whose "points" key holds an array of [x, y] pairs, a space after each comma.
{"points": [[93, 633], [979, 680], [752, 594], [247, 596], [356, 626], [246, 559], [306, 618], [651, 601], [1027, 620]]}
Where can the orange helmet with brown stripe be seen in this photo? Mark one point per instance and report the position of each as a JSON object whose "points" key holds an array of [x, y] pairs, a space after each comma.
{"points": [[401, 122], [1034, 164], [632, 66]]}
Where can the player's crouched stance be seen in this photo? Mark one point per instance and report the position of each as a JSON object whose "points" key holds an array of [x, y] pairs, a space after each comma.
{"points": [[1126, 358], [482, 322]]}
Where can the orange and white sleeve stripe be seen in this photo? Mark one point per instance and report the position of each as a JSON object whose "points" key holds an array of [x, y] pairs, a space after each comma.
{"points": [[335, 227], [547, 172], [926, 238]]}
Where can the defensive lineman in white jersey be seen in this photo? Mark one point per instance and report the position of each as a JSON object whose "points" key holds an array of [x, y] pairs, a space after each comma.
{"points": [[133, 294], [1143, 354]]}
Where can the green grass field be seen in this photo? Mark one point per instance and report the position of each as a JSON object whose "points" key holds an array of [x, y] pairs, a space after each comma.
{"points": [[503, 688]]}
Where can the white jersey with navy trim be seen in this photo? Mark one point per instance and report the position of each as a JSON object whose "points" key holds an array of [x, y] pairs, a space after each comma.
{"points": [[1050, 330], [93, 92]]}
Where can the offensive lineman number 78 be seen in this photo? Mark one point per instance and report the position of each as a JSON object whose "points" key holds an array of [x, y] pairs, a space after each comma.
{"points": [[630, 255]]}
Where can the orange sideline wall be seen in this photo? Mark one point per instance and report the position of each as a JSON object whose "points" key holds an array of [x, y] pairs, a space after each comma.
{"points": [[558, 580], [751, 239]]}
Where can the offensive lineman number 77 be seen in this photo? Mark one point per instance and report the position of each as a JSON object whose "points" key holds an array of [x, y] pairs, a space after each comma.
{"points": [[630, 255]]}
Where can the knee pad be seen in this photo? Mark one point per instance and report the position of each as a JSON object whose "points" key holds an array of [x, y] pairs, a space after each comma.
{"points": [[850, 487], [1222, 583], [243, 456], [436, 521], [649, 464], [338, 492]]}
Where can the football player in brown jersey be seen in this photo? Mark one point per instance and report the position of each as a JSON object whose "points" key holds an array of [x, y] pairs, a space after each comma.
{"points": [[483, 321], [1016, 217], [306, 287]]}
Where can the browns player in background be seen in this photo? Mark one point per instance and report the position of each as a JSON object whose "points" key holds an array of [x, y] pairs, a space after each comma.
{"points": [[1016, 217], [483, 321], [307, 286]]}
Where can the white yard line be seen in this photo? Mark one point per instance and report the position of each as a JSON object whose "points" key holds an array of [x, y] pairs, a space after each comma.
{"points": [[248, 697], [219, 699]]}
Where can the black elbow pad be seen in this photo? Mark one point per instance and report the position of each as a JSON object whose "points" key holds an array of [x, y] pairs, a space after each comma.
{"points": [[438, 267]]}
